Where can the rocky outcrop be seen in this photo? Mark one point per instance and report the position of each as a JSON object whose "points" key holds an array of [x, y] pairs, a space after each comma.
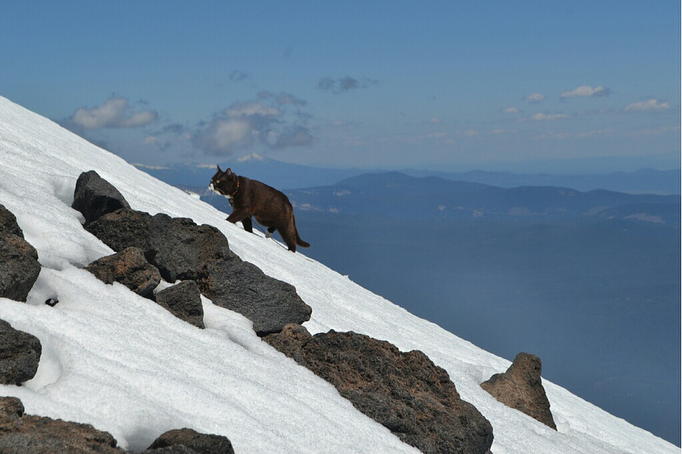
{"points": [[183, 250], [95, 196], [184, 301], [520, 387], [128, 267], [19, 355], [194, 441], [23, 434], [19, 267], [405, 392]]}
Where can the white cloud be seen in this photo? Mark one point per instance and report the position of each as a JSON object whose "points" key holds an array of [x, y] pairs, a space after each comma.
{"points": [[511, 110], [649, 105], [111, 114], [535, 97], [251, 109], [548, 117], [434, 120], [585, 91]]}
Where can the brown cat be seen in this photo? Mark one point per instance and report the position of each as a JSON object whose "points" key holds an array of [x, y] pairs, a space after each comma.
{"points": [[269, 206]]}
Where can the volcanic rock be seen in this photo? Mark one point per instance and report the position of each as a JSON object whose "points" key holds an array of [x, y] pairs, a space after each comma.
{"points": [[94, 196], [405, 392], [19, 355], [520, 387], [195, 441], [128, 267], [184, 301]]}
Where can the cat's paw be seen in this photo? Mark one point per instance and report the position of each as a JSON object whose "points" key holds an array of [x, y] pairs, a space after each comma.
{"points": [[268, 234]]}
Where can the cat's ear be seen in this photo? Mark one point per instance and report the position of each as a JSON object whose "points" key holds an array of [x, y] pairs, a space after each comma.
{"points": [[229, 172], [219, 171]]}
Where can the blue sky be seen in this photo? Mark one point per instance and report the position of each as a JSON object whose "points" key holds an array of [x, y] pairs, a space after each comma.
{"points": [[533, 85]]}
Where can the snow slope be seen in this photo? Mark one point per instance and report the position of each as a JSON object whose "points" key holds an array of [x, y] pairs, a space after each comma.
{"points": [[126, 366]]}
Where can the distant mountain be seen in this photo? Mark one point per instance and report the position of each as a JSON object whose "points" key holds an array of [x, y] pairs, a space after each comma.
{"points": [[398, 195], [283, 175], [644, 181]]}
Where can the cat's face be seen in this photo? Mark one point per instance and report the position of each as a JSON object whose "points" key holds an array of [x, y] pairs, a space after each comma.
{"points": [[224, 183]]}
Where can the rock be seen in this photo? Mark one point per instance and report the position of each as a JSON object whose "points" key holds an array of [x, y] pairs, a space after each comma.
{"points": [[520, 387], [128, 267], [8, 223], [175, 449], [183, 250], [19, 267], [179, 248], [242, 287], [95, 196], [24, 434], [197, 442], [405, 392], [19, 355], [184, 301]]}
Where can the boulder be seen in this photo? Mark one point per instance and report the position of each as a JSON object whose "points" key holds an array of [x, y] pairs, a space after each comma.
{"points": [[183, 250], [178, 247], [19, 355], [195, 441], [520, 387], [242, 287], [95, 196], [8, 223], [128, 267], [19, 267], [405, 392], [23, 434], [184, 301]]}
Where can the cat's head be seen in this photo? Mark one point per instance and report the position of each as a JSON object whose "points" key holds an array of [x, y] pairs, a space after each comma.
{"points": [[224, 183]]}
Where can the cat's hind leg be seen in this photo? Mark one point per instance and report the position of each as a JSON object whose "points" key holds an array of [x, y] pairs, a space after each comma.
{"points": [[248, 224]]}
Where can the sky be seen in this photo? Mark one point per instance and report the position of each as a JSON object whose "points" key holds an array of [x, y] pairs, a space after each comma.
{"points": [[442, 85]]}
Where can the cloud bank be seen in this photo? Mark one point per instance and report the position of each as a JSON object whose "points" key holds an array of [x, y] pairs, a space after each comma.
{"points": [[112, 113], [344, 84], [650, 105], [586, 91]]}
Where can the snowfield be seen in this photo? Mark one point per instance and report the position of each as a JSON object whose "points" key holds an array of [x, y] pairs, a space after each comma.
{"points": [[125, 365]]}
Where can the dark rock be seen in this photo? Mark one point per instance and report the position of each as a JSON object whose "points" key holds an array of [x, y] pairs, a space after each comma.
{"points": [[178, 247], [184, 301], [242, 287], [128, 267], [175, 449], [95, 196], [24, 434], [19, 267], [8, 223], [19, 355], [405, 392], [520, 387], [183, 250], [199, 443]]}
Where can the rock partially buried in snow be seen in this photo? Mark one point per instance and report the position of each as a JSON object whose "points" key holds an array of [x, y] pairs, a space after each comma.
{"points": [[128, 267], [405, 392], [94, 196], [19, 267], [195, 441], [184, 301], [24, 434], [19, 355], [520, 387]]}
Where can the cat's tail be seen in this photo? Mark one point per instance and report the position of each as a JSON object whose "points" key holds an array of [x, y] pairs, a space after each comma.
{"points": [[299, 241]]}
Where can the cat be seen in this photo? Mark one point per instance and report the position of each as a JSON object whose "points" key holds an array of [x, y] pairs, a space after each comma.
{"points": [[269, 206]]}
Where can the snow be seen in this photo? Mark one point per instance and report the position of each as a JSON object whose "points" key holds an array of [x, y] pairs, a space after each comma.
{"points": [[125, 365]]}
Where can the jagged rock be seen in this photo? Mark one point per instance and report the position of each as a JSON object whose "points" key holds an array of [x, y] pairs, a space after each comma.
{"points": [[184, 301], [178, 247], [19, 267], [195, 441], [242, 287], [27, 434], [95, 196], [405, 392], [8, 223], [175, 449], [520, 387], [128, 267], [19, 355], [183, 250]]}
